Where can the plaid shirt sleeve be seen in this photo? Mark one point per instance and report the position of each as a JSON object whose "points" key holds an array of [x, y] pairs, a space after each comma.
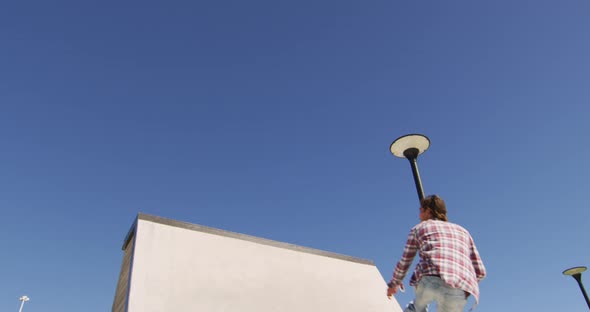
{"points": [[480, 270], [401, 269]]}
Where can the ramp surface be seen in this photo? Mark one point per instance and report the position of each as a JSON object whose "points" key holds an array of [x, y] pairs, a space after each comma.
{"points": [[176, 266]]}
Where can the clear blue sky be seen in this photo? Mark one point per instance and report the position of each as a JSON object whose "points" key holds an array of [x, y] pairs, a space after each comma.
{"points": [[274, 119]]}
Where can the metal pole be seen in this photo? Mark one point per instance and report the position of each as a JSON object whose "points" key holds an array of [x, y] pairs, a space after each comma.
{"points": [[417, 181], [578, 278], [412, 155], [23, 299]]}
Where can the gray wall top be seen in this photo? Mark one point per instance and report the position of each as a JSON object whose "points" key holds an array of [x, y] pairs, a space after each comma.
{"points": [[254, 239]]}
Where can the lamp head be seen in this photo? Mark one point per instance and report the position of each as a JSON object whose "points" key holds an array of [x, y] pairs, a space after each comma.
{"points": [[409, 146], [575, 271]]}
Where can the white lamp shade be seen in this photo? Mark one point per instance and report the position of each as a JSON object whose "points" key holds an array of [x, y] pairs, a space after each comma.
{"points": [[401, 144], [574, 270]]}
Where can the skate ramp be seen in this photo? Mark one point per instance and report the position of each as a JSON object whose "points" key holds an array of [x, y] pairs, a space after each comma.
{"points": [[176, 266]]}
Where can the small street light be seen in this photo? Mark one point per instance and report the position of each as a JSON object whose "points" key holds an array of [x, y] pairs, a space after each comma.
{"points": [[22, 299], [409, 147], [576, 273]]}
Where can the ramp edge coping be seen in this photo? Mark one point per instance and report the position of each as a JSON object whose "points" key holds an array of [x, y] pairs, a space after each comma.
{"points": [[250, 238]]}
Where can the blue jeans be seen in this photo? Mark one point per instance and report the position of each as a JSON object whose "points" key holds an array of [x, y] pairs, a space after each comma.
{"points": [[433, 288]]}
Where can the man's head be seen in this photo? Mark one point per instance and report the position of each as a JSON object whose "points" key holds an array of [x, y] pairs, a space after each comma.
{"points": [[433, 207]]}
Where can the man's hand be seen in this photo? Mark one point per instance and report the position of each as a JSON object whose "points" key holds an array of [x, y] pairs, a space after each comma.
{"points": [[393, 290]]}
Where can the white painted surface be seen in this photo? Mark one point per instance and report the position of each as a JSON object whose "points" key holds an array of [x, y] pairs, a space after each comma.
{"points": [[178, 269]]}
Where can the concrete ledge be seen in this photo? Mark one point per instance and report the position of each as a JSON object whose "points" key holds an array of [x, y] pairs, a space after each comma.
{"points": [[254, 239]]}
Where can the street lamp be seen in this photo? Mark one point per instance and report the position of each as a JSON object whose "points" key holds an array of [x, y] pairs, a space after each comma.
{"points": [[22, 299], [410, 146], [576, 273]]}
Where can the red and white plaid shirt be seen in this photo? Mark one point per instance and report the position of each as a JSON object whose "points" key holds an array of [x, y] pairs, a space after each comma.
{"points": [[447, 250]]}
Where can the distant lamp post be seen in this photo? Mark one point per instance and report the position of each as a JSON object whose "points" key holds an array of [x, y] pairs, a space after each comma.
{"points": [[409, 147], [576, 273], [22, 299]]}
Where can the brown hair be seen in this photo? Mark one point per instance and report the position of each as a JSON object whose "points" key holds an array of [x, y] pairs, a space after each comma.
{"points": [[436, 205]]}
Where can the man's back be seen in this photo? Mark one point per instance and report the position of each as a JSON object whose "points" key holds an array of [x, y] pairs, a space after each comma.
{"points": [[449, 268], [447, 250]]}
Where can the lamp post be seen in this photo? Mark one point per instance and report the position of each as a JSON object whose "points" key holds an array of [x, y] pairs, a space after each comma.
{"points": [[22, 299], [576, 273], [410, 146]]}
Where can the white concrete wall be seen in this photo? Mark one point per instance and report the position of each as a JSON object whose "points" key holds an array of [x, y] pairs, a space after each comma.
{"points": [[178, 269]]}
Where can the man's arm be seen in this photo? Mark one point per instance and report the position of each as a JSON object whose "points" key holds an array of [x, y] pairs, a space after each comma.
{"points": [[480, 270], [401, 269]]}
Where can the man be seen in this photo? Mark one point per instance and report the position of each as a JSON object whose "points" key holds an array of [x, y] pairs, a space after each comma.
{"points": [[449, 269]]}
